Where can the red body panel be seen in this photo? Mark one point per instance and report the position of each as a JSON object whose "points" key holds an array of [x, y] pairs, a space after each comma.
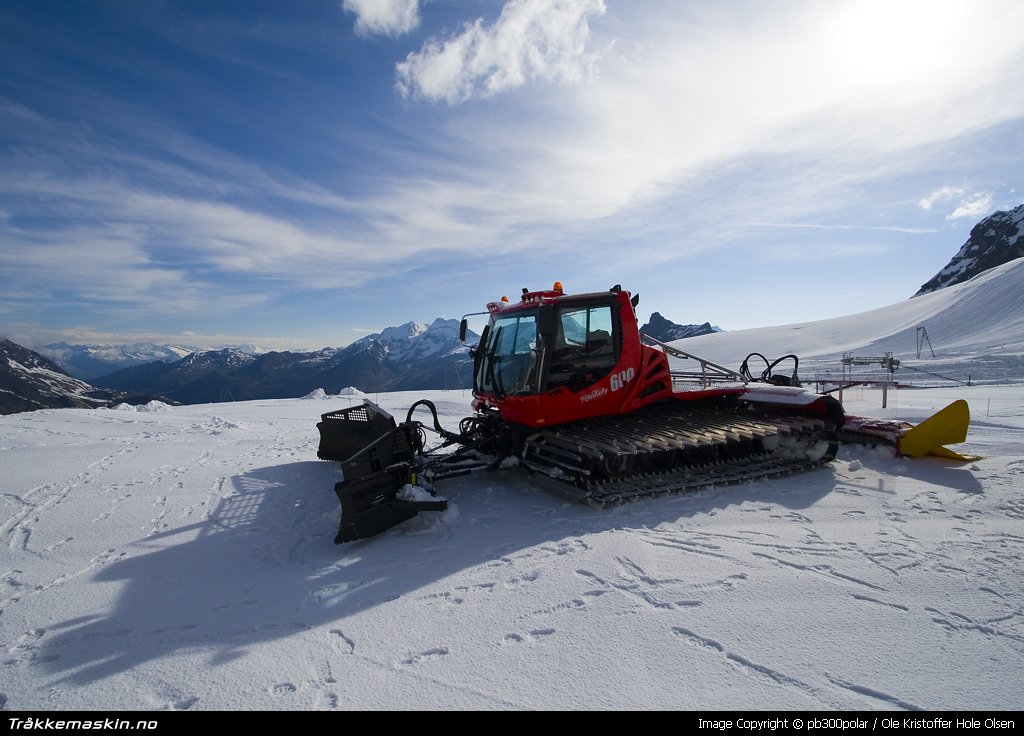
{"points": [[640, 377]]}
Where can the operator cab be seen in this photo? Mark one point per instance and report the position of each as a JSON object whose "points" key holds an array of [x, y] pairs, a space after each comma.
{"points": [[546, 342]]}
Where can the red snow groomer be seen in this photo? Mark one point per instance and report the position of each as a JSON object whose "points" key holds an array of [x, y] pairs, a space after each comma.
{"points": [[566, 386]]}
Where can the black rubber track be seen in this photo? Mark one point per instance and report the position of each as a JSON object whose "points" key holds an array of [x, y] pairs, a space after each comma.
{"points": [[673, 448]]}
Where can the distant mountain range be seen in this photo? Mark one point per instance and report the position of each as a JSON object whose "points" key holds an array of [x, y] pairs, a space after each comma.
{"points": [[994, 241], [89, 361], [29, 381], [409, 357]]}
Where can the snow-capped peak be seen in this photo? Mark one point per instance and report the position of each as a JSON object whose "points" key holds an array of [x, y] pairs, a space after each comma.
{"points": [[400, 333], [994, 241]]}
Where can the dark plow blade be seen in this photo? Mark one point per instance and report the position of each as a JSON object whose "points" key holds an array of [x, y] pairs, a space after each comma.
{"points": [[376, 462]]}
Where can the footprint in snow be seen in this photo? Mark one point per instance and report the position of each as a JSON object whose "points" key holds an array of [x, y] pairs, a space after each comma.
{"points": [[533, 635], [183, 703], [342, 642], [428, 654]]}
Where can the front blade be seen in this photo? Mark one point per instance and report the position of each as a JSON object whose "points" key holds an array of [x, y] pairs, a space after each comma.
{"points": [[947, 426], [377, 461], [370, 504]]}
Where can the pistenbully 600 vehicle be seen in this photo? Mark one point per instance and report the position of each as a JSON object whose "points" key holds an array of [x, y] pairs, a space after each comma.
{"points": [[567, 387]]}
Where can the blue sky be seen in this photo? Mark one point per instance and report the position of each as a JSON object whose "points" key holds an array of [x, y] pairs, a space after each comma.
{"points": [[300, 174]]}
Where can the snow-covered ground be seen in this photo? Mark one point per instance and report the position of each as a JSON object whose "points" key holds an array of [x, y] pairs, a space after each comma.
{"points": [[171, 558]]}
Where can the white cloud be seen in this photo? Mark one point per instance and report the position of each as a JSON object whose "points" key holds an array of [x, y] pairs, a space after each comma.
{"points": [[688, 88], [687, 92], [532, 40], [384, 17], [941, 194], [975, 206]]}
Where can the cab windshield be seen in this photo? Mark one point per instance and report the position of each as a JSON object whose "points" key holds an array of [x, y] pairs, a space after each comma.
{"points": [[581, 349], [509, 360]]}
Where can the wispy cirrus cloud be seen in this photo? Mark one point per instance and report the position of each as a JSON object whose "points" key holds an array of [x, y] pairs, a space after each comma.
{"points": [[790, 253], [816, 226], [99, 265], [163, 252], [532, 40]]}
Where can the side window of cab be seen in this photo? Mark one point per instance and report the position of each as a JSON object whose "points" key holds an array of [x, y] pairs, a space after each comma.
{"points": [[584, 349]]}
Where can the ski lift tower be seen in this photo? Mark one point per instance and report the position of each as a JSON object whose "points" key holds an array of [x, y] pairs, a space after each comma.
{"points": [[886, 361], [922, 338]]}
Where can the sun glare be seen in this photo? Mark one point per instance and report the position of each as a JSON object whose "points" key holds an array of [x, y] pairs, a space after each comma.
{"points": [[880, 42]]}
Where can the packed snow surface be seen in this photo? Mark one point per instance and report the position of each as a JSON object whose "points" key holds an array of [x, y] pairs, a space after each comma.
{"points": [[183, 558]]}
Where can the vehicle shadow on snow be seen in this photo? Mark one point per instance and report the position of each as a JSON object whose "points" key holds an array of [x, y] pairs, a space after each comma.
{"points": [[262, 565], [954, 475]]}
